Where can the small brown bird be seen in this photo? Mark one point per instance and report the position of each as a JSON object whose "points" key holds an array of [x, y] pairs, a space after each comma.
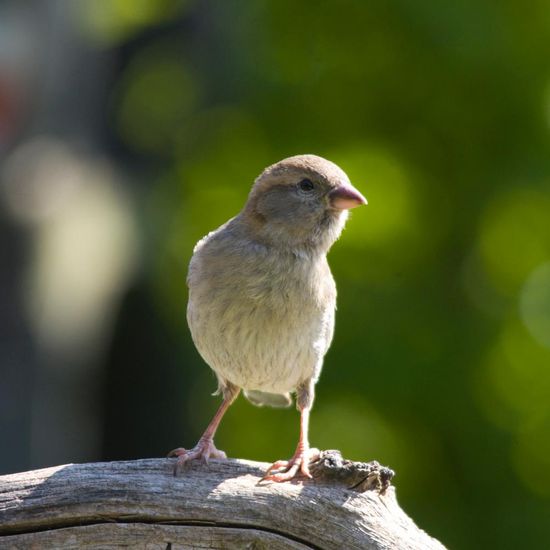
{"points": [[262, 297]]}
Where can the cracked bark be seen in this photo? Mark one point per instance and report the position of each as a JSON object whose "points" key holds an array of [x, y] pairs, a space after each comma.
{"points": [[220, 505]]}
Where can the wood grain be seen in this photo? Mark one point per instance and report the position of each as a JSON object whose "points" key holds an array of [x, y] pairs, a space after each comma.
{"points": [[140, 504]]}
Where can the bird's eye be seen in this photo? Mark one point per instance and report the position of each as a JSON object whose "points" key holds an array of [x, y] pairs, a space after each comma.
{"points": [[306, 185]]}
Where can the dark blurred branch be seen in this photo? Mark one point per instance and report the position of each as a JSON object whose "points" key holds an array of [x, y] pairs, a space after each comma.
{"points": [[139, 503]]}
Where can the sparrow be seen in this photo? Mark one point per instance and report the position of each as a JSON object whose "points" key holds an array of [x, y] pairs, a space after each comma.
{"points": [[262, 297]]}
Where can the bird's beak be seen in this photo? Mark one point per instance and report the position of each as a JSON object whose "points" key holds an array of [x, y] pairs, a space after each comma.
{"points": [[345, 197]]}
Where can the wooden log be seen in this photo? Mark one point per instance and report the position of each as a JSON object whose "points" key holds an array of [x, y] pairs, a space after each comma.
{"points": [[140, 504]]}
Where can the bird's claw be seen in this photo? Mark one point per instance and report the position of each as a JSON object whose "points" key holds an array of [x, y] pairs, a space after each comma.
{"points": [[277, 466], [285, 470], [203, 450]]}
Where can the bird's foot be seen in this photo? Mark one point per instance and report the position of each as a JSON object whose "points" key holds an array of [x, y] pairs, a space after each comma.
{"points": [[203, 450], [285, 470]]}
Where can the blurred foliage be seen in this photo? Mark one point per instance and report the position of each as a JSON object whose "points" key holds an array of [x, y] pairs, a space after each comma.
{"points": [[440, 114]]}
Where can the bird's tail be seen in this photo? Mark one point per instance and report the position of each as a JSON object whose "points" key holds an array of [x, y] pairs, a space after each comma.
{"points": [[261, 398]]}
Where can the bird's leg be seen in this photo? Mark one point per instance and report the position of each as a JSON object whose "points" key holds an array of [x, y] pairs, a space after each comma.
{"points": [[284, 470], [205, 448]]}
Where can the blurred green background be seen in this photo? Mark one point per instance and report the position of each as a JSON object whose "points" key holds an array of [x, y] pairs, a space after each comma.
{"points": [[130, 128]]}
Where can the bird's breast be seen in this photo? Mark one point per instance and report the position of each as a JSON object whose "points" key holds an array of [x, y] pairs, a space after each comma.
{"points": [[264, 329]]}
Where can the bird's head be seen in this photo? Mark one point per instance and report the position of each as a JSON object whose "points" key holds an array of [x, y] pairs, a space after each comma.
{"points": [[301, 202]]}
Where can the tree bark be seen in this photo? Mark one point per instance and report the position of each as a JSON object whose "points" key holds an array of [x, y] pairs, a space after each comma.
{"points": [[140, 504]]}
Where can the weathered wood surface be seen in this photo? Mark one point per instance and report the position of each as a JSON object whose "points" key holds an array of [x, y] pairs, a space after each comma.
{"points": [[139, 504]]}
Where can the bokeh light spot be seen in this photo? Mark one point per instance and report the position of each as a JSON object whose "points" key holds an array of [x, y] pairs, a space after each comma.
{"points": [[516, 379], [515, 237], [384, 182], [155, 99], [376, 435], [114, 20]]}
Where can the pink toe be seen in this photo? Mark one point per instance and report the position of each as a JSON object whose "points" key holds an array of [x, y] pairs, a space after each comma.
{"points": [[277, 465], [176, 452], [305, 471]]}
